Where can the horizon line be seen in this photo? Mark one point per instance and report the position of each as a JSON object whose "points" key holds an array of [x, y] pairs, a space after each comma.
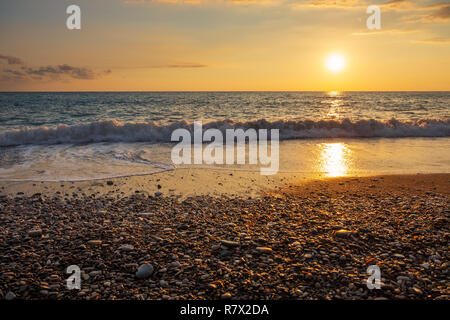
{"points": [[176, 91]]}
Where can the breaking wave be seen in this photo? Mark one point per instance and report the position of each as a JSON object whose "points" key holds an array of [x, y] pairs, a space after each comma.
{"points": [[112, 130]]}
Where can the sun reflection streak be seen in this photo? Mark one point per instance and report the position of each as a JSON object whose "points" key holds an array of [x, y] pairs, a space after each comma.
{"points": [[333, 93], [334, 159], [335, 104]]}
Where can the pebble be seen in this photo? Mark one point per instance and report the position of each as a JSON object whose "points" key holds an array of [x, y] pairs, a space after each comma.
{"points": [[342, 233], [225, 253], [37, 232], [163, 283], [182, 227], [425, 265], [146, 214], [95, 242], [144, 271], [226, 295], [264, 249], [402, 278], [417, 290], [10, 296], [229, 243], [126, 247]]}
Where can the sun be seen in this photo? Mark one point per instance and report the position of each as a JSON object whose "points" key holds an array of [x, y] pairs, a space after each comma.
{"points": [[335, 62]]}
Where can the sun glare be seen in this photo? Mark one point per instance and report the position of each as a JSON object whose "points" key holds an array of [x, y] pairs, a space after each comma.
{"points": [[334, 159], [335, 62]]}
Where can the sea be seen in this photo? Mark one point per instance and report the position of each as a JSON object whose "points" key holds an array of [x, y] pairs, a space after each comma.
{"points": [[75, 136]]}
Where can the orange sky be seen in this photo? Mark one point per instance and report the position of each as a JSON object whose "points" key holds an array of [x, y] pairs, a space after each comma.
{"points": [[223, 45]]}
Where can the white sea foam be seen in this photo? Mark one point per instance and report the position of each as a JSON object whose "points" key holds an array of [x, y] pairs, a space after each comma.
{"points": [[112, 130]]}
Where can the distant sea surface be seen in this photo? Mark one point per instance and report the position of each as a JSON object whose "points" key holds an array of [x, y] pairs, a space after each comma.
{"points": [[79, 136]]}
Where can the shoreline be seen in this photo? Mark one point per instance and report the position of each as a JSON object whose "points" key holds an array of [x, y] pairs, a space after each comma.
{"points": [[180, 183], [183, 183], [305, 240]]}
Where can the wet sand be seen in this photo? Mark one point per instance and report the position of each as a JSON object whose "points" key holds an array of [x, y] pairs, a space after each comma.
{"points": [[181, 183], [408, 184], [301, 240]]}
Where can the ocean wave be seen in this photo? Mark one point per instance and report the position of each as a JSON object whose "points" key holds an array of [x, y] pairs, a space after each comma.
{"points": [[112, 130]]}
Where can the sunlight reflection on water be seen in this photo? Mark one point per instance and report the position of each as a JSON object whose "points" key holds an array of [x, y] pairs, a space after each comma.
{"points": [[335, 159]]}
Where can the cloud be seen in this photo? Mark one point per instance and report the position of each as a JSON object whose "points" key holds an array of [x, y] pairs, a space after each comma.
{"points": [[146, 2], [180, 65], [437, 5], [417, 12], [443, 13], [436, 12], [384, 31], [62, 71], [14, 73], [11, 59], [434, 41], [397, 5], [197, 2], [331, 3]]}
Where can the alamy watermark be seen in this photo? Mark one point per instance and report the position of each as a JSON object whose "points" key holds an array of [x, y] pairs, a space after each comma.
{"points": [[73, 22], [213, 153], [374, 280], [74, 281], [374, 20]]}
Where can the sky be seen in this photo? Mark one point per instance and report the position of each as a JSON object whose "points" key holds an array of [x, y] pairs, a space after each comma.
{"points": [[224, 45]]}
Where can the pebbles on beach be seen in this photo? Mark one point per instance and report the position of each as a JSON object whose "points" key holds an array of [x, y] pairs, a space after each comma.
{"points": [[272, 247]]}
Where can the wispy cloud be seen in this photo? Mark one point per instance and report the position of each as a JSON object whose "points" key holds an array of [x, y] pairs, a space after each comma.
{"points": [[197, 2], [437, 12], [436, 5], [397, 4], [384, 32], [394, 5], [174, 65], [330, 3], [443, 13], [410, 15], [18, 70], [434, 41], [64, 70], [11, 59], [180, 65]]}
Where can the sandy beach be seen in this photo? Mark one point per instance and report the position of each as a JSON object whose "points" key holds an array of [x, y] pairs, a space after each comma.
{"points": [[180, 183], [286, 239]]}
